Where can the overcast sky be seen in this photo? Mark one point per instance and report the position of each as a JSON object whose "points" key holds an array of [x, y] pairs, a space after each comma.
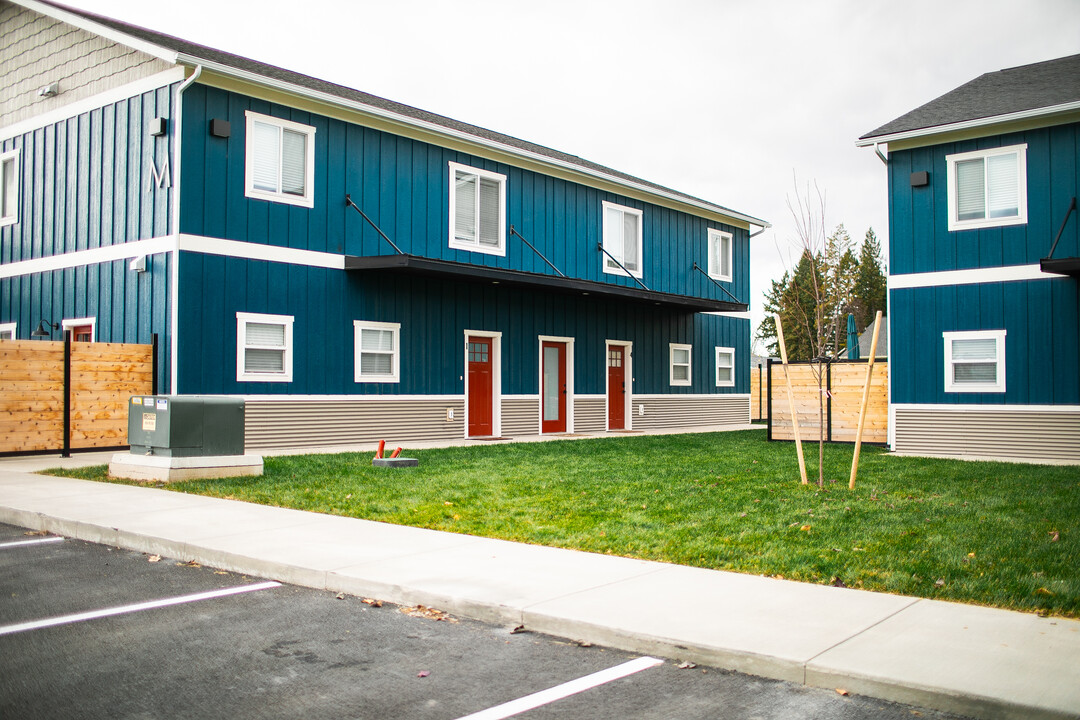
{"points": [[728, 101]]}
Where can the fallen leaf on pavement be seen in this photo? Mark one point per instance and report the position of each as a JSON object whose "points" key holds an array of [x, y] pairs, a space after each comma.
{"points": [[423, 673], [842, 691], [154, 558], [339, 596], [687, 665], [519, 629], [429, 613], [372, 602]]}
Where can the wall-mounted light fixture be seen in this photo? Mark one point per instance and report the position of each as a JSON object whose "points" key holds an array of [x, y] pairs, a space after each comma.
{"points": [[40, 330], [158, 126], [50, 90], [220, 128], [138, 264]]}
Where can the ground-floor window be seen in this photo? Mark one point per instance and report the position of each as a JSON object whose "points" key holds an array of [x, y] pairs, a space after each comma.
{"points": [[725, 367], [377, 355], [975, 361], [264, 347], [679, 359]]}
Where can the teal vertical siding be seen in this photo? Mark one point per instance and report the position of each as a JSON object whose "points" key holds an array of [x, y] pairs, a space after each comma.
{"points": [[434, 315], [919, 240], [403, 185]]}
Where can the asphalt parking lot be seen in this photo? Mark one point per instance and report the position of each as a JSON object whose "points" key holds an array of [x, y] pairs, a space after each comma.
{"points": [[90, 631]]}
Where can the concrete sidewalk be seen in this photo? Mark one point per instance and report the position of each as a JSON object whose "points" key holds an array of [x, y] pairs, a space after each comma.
{"points": [[960, 658]]}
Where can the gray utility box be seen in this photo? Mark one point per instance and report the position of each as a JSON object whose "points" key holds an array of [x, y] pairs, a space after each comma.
{"points": [[185, 426]]}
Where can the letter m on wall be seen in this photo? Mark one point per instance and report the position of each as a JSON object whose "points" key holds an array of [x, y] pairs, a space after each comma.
{"points": [[160, 178]]}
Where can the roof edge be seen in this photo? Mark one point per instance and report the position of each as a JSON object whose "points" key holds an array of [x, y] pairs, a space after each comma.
{"points": [[1048, 111]]}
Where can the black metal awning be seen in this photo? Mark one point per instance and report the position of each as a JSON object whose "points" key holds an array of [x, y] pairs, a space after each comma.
{"points": [[480, 273], [1061, 266]]}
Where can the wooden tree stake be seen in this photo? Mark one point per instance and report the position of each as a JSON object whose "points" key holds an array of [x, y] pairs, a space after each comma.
{"points": [[791, 399], [865, 400]]}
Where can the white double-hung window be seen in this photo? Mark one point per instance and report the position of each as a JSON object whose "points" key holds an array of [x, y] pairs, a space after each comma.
{"points": [[679, 357], [264, 347], [987, 188], [9, 188], [725, 367], [975, 361], [377, 354], [477, 210], [719, 255], [279, 160], [622, 239]]}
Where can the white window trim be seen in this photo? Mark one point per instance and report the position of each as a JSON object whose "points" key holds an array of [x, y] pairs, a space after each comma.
{"points": [[242, 319], [725, 351], [717, 236], [1021, 184], [308, 198], [6, 328], [640, 235], [78, 322], [499, 249], [672, 347], [395, 362], [997, 387], [12, 155]]}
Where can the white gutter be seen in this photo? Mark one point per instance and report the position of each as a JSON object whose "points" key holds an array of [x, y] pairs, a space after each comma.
{"points": [[174, 280], [436, 129], [969, 124]]}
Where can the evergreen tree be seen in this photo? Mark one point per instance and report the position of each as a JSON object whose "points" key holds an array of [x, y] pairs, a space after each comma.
{"points": [[870, 283]]}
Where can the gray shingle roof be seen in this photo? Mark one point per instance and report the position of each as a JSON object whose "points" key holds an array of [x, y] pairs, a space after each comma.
{"points": [[1028, 87], [194, 50]]}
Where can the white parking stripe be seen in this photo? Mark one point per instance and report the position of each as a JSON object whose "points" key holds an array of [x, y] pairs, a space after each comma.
{"points": [[94, 614], [36, 541], [544, 697]]}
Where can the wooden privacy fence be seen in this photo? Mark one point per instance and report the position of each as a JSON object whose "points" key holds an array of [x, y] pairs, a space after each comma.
{"points": [[759, 403], [70, 395], [844, 380]]}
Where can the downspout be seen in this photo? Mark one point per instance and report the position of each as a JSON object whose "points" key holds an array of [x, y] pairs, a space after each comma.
{"points": [[174, 299], [877, 151]]}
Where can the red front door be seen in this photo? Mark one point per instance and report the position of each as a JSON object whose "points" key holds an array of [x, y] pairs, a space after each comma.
{"points": [[480, 385], [616, 384], [553, 392]]}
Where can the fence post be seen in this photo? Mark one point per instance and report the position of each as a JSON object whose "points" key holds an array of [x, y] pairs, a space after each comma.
{"points": [[67, 394], [828, 402], [768, 435]]}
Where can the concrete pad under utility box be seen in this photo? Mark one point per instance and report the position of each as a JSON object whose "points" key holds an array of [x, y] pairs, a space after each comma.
{"points": [[157, 468]]}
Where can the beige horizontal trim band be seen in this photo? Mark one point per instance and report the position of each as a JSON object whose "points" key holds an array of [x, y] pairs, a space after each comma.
{"points": [[972, 407], [973, 276]]}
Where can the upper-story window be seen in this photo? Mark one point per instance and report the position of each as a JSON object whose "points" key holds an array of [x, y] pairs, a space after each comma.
{"points": [[719, 255], [975, 361], [9, 188], [622, 239], [477, 210], [988, 188], [280, 160]]}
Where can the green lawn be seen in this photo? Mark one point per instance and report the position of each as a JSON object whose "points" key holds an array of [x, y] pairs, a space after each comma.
{"points": [[999, 534]]}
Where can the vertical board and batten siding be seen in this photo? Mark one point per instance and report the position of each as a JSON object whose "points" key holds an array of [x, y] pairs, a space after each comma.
{"points": [[1041, 319], [36, 51], [403, 185], [434, 315], [919, 239], [1018, 435], [103, 378], [85, 184]]}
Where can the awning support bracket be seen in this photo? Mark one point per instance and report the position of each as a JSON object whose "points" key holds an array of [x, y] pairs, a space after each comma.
{"points": [[533, 248], [1072, 207], [714, 282], [349, 202], [600, 247]]}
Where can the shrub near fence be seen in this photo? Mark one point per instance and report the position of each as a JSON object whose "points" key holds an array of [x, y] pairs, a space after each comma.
{"points": [[844, 381], [103, 376]]}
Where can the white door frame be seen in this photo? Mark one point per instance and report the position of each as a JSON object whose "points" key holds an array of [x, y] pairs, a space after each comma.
{"points": [[541, 339], [496, 379], [628, 374]]}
